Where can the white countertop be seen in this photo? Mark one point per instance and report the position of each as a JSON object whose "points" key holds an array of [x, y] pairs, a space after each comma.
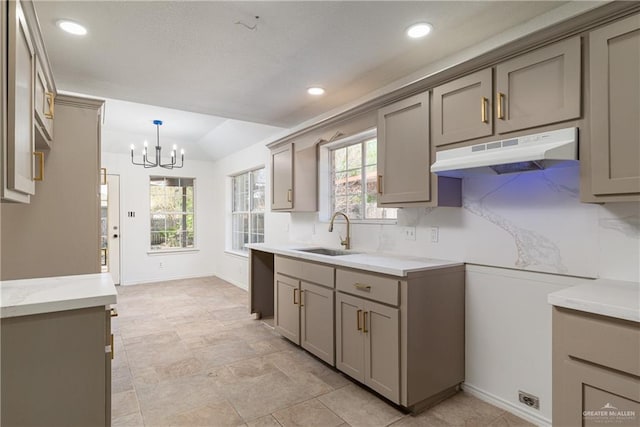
{"points": [[379, 263], [613, 298], [50, 294]]}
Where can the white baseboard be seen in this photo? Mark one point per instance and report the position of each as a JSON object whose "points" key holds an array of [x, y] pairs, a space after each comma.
{"points": [[507, 406]]}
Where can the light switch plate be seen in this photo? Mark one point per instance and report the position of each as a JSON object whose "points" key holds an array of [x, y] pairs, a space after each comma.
{"points": [[435, 234]]}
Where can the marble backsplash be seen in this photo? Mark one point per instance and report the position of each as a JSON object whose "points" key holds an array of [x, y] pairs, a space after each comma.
{"points": [[530, 221]]}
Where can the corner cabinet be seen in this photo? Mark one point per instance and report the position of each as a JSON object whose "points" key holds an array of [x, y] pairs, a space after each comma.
{"points": [[596, 369], [614, 152], [294, 179], [404, 157]]}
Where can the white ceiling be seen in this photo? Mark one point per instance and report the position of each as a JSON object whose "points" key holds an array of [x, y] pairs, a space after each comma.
{"points": [[191, 56]]}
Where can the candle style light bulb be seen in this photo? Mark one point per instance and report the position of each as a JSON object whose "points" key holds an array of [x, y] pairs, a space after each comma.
{"points": [[175, 147], [145, 143], [132, 147], [182, 151]]}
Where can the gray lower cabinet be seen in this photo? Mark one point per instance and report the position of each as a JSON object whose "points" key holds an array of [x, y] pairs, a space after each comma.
{"points": [[614, 65], [539, 88], [287, 307], [462, 109], [316, 320], [56, 369], [368, 343], [595, 385]]}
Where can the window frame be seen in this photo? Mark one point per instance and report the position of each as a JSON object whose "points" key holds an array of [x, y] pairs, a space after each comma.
{"points": [[193, 248], [251, 212], [326, 171]]}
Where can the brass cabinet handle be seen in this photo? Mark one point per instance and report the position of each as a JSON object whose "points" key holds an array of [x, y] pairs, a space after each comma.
{"points": [[113, 312], [301, 296], [500, 106], [289, 194], [362, 287], [379, 184], [104, 176], [49, 96], [358, 326], [113, 349], [483, 110], [40, 156], [364, 322], [294, 297]]}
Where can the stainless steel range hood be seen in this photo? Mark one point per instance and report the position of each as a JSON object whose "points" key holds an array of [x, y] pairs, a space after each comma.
{"points": [[521, 154]]}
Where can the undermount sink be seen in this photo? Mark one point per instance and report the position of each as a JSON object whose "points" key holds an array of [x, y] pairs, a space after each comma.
{"points": [[326, 251]]}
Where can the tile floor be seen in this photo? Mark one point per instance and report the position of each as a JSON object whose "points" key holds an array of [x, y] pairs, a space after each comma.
{"points": [[189, 354]]}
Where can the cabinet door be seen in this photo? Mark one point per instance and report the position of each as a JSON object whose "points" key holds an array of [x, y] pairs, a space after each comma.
{"points": [[349, 336], [317, 320], [614, 64], [462, 109], [286, 308], [404, 155], [43, 107], [595, 396], [282, 178], [539, 88], [20, 143], [381, 326]]}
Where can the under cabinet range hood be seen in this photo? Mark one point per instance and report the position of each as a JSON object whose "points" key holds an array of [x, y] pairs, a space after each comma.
{"points": [[520, 154]]}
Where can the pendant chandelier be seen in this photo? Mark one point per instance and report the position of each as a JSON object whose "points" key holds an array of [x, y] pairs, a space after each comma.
{"points": [[158, 157]]}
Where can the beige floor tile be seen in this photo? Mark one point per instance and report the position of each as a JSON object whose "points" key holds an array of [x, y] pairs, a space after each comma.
{"points": [[220, 414], [224, 354], [359, 407], [256, 397], [252, 368], [425, 419], [131, 420], [510, 420], [464, 409], [124, 403], [266, 421], [310, 413]]}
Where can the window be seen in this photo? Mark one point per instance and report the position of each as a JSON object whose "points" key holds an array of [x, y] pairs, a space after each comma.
{"points": [[354, 186], [247, 211], [172, 213]]}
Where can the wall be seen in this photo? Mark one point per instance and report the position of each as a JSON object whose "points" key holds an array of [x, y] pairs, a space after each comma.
{"points": [[137, 265]]}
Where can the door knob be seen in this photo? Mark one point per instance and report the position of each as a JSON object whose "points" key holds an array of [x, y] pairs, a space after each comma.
{"points": [[115, 236]]}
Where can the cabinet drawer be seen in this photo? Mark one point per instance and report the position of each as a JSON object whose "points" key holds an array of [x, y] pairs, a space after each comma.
{"points": [[368, 285], [307, 271], [618, 341]]}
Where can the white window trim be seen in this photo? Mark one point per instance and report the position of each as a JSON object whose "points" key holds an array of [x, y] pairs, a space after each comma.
{"points": [[229, 209], [195, 248], [324, 183]]}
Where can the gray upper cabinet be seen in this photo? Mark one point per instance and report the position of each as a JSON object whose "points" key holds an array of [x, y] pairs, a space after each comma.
{"points": [[462, 109], [282, 178], [404, 152], [20, 95], [614, 65], [539, 88], [294, 178]]}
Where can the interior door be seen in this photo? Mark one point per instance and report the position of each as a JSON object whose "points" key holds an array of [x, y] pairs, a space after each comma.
{"points": [[113, 221]]}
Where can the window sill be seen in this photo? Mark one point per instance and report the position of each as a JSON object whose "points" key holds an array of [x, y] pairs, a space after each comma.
{"points": [[237, 253], [172, 251]]}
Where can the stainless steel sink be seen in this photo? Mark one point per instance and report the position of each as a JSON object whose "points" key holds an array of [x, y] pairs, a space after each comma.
{"points": [[326, 251]]}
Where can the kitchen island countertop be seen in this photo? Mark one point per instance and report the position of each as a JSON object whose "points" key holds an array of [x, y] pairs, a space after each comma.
{"points": [[50, 294]]}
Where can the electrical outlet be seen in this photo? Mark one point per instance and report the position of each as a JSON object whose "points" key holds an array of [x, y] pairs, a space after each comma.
{"points": [[529, 399], [161, 264], [435, 234], [409, 233]]}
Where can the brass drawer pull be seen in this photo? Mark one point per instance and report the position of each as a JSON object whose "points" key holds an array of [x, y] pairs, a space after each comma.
{"points": [[362, 287], [364, 322], [40, 156], [113, 349], [379, 184], [294, 297], [500, 106], [483, 110], [50, 102], [103, 181], [289, 194], [359, 327], [113, 312]]}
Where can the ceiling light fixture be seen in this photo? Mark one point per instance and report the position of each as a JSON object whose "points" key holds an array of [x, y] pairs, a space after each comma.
{"points": [[419, 30], [72, 27], [158, 157], [315, 90]]}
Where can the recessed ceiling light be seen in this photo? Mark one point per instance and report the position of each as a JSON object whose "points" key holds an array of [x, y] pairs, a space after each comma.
{"points": [[316, 90], [72, 27], [419, 30]]}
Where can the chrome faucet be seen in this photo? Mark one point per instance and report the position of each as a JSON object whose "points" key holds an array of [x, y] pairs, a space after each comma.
{"points": [[347, 241]]}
